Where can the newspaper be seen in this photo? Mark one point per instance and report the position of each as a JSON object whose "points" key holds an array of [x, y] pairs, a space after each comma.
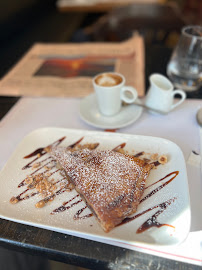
{"points": [[67, 69], [109, 3]]}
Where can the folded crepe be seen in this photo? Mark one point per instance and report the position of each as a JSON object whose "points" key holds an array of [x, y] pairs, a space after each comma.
{"points": [[111, 183]]}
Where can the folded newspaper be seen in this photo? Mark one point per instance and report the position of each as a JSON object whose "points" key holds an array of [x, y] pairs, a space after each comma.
{"points": [[99, 5], [67, 69]]}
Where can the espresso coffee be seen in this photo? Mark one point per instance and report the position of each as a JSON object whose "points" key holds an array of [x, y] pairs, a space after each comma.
{"points": [[110, 91], [108, 80]]}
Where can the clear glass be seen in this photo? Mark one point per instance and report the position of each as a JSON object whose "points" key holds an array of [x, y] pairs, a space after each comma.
{"points": [[185, 66]]}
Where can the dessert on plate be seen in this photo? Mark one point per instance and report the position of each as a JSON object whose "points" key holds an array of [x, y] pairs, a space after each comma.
{"points": [[110, 182]]}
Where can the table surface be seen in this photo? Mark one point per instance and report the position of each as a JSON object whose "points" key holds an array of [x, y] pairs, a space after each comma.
{"points": [[75, 250]]}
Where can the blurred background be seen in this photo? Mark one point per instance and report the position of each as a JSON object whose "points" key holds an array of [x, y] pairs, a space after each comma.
{"points": [[25, 22]]}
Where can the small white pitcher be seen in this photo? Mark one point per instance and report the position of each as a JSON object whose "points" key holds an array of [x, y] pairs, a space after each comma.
{"points": [[161, 94]]}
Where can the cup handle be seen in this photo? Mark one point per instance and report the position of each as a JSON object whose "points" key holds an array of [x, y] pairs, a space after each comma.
{"points": [[132, 94], [183, 96]]}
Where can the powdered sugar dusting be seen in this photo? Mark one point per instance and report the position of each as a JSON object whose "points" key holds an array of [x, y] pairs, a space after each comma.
{"points": [[104, 177]]}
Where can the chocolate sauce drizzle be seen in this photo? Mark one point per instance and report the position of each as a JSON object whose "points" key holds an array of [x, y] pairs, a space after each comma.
{"points": [[139, 154], [118, 147], [20, 198], [63, 208], [40, 152], [77, 216], [78, 213], [51, 197], [151, 222], [43, 164], [175, 173]]}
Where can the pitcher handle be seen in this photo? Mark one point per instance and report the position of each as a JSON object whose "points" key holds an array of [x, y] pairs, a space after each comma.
{"points": [[183, 97]]}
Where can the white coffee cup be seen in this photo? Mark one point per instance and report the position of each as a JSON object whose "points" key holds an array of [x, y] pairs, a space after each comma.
{"points": [[110, 91], [161, 94]]}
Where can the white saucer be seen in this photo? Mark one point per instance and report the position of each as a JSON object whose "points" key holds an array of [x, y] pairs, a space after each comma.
{"points": [[90, 114]]}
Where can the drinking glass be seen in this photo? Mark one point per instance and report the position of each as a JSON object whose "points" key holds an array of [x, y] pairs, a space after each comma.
{"points": [[185, 66]]}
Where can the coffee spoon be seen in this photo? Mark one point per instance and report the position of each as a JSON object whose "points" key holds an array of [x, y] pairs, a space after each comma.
{"points": [[148, 108], [199, 117]]}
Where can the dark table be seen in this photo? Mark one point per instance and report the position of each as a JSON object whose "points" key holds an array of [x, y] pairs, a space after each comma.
{"points": [[78, 251]]}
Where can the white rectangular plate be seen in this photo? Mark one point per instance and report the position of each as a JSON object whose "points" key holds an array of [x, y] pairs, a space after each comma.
{"points": [[175, 216]]}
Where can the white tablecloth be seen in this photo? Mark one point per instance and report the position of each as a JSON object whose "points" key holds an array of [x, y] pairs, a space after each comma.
{"points": [[179, 126]]}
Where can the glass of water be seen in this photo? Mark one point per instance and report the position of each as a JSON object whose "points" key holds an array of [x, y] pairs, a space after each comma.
{"points": [[185, 66]]}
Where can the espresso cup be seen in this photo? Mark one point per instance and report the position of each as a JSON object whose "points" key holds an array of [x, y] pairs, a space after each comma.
{"points": [[161, 94], [110, 90]]}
